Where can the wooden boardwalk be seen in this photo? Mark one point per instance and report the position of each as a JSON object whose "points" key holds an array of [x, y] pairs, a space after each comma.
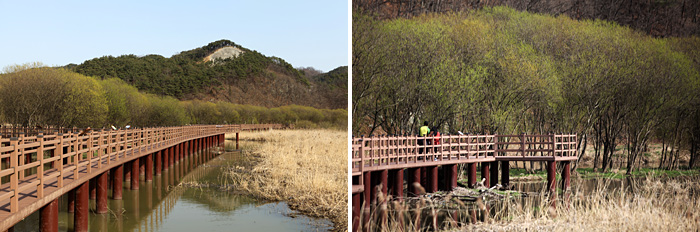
{"points": [[378, 164], [36, 170], [393, 152]]}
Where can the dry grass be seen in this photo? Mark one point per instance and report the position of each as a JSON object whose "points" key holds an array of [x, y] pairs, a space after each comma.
{"points": [[651, 205], [305, 168]]}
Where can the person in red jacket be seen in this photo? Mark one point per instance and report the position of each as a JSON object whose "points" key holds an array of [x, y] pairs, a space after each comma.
{"points": [[436, 138]]}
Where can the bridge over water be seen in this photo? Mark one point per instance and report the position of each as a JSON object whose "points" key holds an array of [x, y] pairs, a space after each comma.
{"points": [[379, 163], [36, 170]]}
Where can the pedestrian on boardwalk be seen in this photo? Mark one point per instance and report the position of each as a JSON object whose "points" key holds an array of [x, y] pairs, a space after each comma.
{"points": [[423, 132]]}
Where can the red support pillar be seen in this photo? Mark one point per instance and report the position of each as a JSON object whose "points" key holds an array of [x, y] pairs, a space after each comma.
{"points": [[432, 179], [236, 140], [127, 171], [135, 174], [493, 168], [142, 165], [367, 182], [355, 211], [485, 174], [93, 189], [117, 181], [49, 217], [552, 176], [471, 167], [505, 173], [171, 158], [566, 176], [159, 165], [414, 176], [149, 167], [82, 207], [398, 184], [453, 169], [383, 180], [373, 189], [102, 188], [71, 201]]}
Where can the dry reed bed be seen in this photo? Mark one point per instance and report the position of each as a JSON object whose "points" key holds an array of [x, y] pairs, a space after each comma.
{"points": [[652, 205], [305, 168]]}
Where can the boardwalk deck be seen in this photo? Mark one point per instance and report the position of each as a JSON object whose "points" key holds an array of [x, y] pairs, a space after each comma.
{"points": [[38, 169]]}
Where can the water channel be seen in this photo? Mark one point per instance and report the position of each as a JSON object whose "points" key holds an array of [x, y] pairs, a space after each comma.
{"points": [[166, 205]]}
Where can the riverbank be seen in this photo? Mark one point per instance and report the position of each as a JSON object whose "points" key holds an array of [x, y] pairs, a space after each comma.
{"points": [[305, 168]]}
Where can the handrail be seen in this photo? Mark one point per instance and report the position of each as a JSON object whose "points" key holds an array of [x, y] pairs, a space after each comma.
{"points": [[385, 152], [29, 161]]}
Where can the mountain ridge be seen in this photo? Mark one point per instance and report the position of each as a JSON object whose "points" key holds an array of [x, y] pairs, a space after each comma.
{"points": [[249, 77]]}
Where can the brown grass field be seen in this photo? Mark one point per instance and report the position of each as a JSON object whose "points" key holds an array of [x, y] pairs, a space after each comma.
{"points": [[653, 204], [305, 168]]}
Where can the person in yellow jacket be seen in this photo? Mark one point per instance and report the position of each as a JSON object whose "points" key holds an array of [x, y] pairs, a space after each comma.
{"points": [[423, 132]]}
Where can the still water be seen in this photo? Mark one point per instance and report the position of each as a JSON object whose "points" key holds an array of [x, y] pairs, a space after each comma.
{"points": [[166, 205]]}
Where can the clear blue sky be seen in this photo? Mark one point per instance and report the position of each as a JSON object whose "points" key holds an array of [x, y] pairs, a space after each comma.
{"points": [[56, 33]]}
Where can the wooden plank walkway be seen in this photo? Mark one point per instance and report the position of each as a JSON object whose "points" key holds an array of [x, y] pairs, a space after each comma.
{"points": [[396, 152], [38, 169]]}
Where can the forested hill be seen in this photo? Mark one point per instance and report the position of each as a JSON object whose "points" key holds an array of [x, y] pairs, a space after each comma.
{"points": [[223, 71], [657, 18]]}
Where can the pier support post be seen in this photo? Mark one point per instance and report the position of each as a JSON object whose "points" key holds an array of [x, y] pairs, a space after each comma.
{"points": [[381, 205], [171, 156], [142, 165], [505, 174], [93, 189], [49, 217], [551, 176], [135, 174], [236, 140], [117, 181], [82, 210], [485, 174], [127, 171], [102, 188], [414, 176], [159, 165], [454, 177], [367, 199], [355, 211], [149, 167], [566, 176], [398, 184], [471, 167], [493, 169], [71, 201], [432, 179]]}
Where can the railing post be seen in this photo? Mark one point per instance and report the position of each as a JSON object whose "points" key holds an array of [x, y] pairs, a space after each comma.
{"points": [[58, 152], [40, 168], [362, 156], [21, 159], [14, 179], [522, 144], [553, 144], [76, 155]]}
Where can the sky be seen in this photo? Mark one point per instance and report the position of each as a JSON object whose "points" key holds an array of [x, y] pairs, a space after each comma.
{"points": [[56, 33]]}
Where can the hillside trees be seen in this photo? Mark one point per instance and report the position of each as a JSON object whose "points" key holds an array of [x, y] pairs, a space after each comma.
{"points": [[46, 96], [34, 95], [501, 71]]}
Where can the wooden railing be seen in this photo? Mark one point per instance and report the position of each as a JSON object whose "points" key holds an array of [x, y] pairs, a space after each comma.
{"points": [[389, 152], [31, 164]]}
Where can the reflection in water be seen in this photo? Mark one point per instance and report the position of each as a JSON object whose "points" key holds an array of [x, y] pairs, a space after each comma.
{"points": [[162, 205]]}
